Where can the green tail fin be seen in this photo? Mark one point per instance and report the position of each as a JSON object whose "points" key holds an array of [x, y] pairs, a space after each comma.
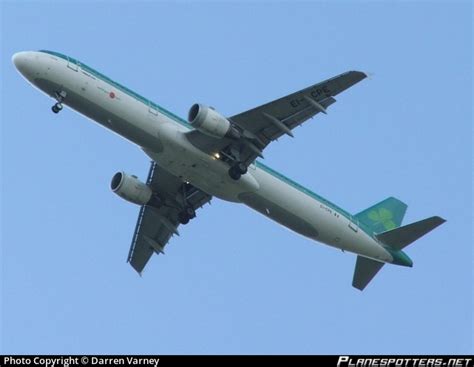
{"points": [[384, 216]]}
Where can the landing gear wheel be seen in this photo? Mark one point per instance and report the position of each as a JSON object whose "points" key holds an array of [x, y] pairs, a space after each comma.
{"points": [[183, 218], [237, 170], [190, 212], [241, 168], [234, 173], [57, 107], [59, 96], [186, 215]]}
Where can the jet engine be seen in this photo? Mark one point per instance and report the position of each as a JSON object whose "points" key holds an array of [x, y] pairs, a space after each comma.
{"points": [[131, 188], [210, 122]]}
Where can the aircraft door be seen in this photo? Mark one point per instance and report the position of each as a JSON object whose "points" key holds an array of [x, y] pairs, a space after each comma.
{"points": [[354, 224], [152, 109], [72, 64]]}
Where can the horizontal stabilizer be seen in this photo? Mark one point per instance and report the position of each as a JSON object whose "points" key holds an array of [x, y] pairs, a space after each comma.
{"points": [[401, 237], [365, 271]]}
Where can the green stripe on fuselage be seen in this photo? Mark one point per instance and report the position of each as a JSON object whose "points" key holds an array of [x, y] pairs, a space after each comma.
{"points": [[312, 194], [183, 122], [119, 86]]}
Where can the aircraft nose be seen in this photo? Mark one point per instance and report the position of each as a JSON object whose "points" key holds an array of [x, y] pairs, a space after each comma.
{"points": [[19, 60], [22, 62]]}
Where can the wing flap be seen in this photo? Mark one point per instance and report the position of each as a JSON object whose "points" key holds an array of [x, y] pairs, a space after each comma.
{"points": [[148, 228]]}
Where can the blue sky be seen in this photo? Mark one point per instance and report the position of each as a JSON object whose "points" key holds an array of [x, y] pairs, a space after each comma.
{"points": [[235, 282]]}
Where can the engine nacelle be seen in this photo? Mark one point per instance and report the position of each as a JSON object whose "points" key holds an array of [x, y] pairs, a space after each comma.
{"points": [[209, 121], [131, 188]]}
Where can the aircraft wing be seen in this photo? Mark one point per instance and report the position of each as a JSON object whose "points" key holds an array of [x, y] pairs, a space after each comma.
{"points": [[155, 226], [268, 122]]}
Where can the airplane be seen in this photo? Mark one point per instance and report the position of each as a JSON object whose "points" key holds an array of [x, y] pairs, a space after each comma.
{"points": [[211, 155]]}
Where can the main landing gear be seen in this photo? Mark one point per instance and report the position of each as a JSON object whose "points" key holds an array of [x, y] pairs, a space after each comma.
{"points": [[186, 215], [237, 167], [188, 212], [59, 96], [237, 170]]}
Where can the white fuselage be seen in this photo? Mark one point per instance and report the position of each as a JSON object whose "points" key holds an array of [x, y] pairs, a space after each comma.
{"points": [[162, 136]]}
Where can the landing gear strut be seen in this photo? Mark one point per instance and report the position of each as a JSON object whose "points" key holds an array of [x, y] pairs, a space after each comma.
{"points": [[59, 96], [188, 212], [237, 170]]}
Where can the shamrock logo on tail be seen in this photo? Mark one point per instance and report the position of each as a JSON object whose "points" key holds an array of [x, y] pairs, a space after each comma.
{"points": [[384, 217]]}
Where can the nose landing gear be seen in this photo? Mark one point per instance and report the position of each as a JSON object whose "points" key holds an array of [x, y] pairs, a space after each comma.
{"points": [[59, 96], [57, 107]]}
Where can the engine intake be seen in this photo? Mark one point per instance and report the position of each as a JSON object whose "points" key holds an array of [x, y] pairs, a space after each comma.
{"points": [[131, 189], [210, 122]]}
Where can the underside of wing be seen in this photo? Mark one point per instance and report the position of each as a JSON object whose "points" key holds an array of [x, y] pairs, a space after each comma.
{"points": [[157, 224], [259, 126], [151, 235], [273, 119]]}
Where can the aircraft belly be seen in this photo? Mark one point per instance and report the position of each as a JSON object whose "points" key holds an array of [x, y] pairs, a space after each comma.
{"points": [[159, 136], [166, 143], [281, 203], [205, 172], [122, 115], [309, 217]]}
